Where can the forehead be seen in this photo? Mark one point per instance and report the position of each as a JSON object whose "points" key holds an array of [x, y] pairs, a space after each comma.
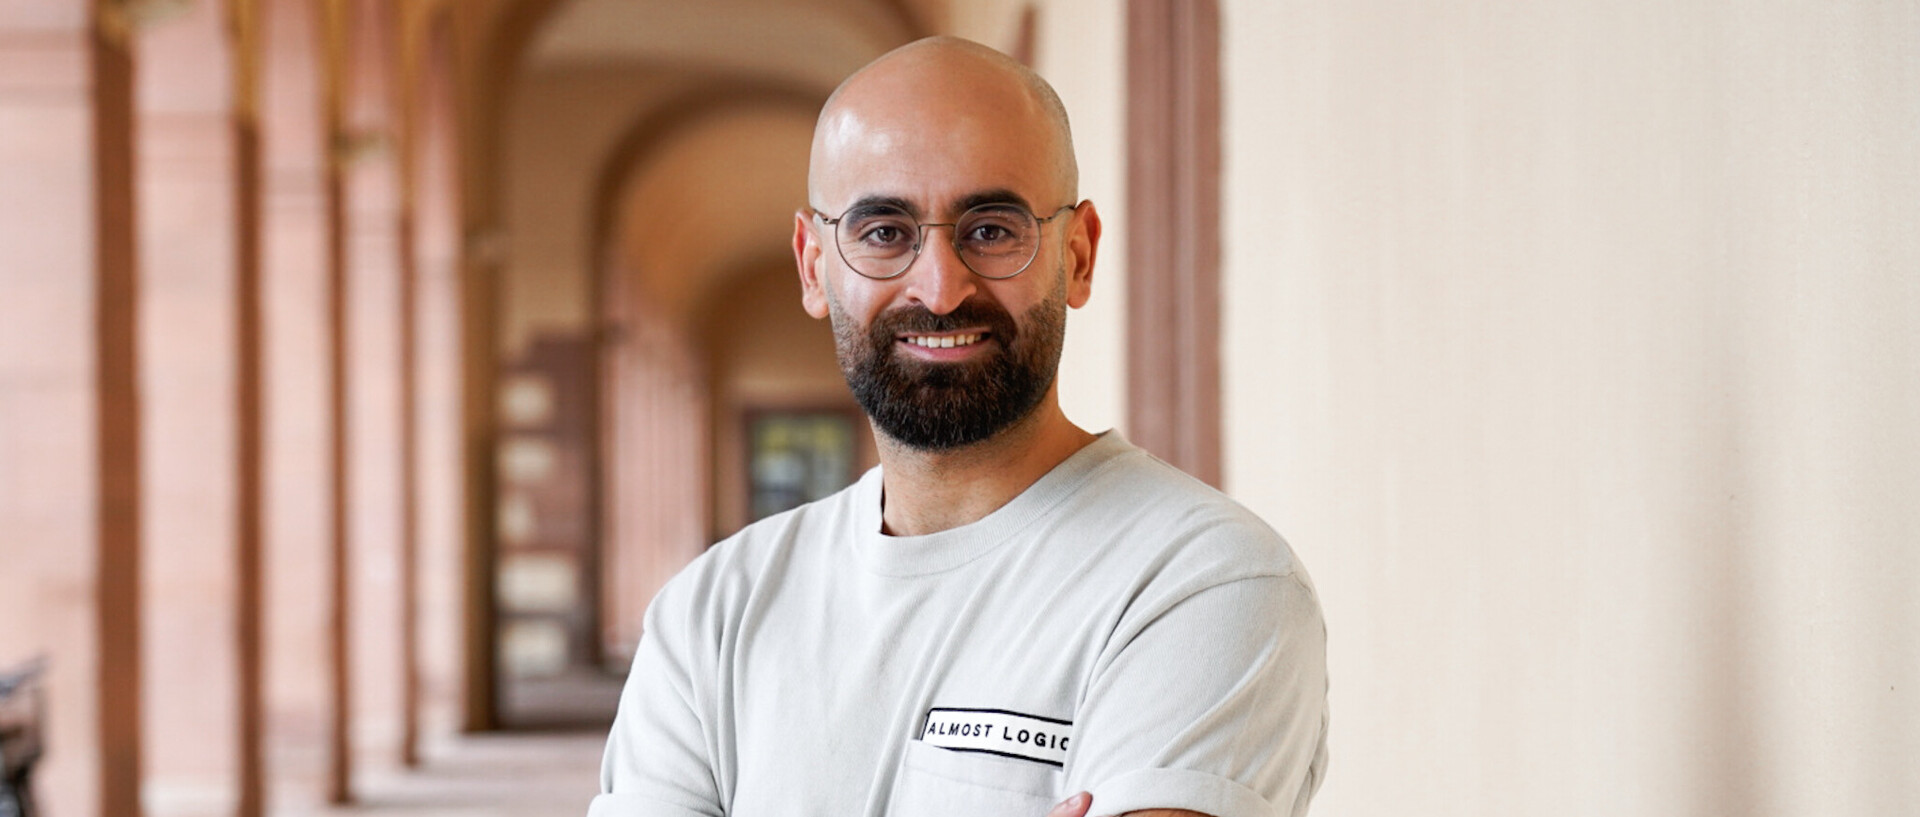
{"points": [[935, 144]]}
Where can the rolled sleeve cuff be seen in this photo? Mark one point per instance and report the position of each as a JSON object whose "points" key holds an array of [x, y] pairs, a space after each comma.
{"points": [[1177, 789]]}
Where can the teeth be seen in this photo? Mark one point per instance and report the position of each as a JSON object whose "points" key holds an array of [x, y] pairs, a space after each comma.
{"points": [[945, 341]]}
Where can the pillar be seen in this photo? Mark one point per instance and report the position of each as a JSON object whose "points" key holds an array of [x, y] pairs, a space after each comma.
{"points": [[297, 433], [188, 235], [1173, 236], [435, 415], [367, 146]]}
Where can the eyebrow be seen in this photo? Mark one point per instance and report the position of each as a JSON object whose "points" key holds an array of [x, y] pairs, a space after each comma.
{"points": [[997, 195], [868, 202]]}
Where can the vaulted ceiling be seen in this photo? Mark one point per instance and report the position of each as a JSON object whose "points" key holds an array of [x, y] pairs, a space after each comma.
{"points": [[667, 138], [813, 42]]}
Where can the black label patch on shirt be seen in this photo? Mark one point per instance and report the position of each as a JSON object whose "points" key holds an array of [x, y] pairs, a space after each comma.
{"points": [[999, 732]]}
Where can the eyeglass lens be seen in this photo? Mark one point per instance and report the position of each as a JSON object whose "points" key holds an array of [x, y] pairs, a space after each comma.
{"points": [[995, 240]]}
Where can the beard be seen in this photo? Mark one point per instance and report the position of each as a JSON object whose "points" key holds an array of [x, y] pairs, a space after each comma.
{"points": [[942, 406]]}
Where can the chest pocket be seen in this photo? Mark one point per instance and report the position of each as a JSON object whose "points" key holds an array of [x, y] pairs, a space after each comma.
{"points": [[936, 782]]}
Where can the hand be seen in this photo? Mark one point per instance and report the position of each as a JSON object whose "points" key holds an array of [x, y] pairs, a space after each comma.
{"points": [[1075, 806]]}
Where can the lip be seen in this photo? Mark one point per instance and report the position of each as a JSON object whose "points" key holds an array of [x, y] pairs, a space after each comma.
{"points": [[979, 337]]}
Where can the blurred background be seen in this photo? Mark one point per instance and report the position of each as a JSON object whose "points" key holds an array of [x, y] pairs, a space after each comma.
{"points": [[365, 366]]}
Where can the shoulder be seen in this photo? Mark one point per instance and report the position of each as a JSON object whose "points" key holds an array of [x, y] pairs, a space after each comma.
{"points": [[1158, 513]]}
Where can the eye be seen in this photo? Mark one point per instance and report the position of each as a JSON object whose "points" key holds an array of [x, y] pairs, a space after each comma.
{"points": [[877, 231], [882, 234], [995, 229], [988, 233]]}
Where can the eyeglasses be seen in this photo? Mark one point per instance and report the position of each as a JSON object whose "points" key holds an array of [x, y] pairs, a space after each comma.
{"points": [[996, 240]]}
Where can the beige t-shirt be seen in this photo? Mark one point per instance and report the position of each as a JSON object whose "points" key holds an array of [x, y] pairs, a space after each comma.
{"points": [[1119, 628]]}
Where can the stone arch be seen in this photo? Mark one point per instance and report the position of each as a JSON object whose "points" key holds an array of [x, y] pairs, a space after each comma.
{"points": [[672, 391]]}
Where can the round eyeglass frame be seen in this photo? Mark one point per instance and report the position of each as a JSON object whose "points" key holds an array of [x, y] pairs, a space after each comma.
{"points": [[920, 239]]}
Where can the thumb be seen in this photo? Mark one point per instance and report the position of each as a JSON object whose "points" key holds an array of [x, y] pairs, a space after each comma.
{"points": [[1075, 806]]}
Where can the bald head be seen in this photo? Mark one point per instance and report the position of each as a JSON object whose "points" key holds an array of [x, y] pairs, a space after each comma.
{"points": [[943, 94]]}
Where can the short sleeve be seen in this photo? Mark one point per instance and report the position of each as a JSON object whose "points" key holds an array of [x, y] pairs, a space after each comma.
{"points": [[1213, 701], [657, 762]]}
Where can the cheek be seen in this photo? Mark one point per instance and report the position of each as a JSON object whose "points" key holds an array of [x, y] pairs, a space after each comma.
{"points": [[857, 301], [849, 321], [1020, 295]]}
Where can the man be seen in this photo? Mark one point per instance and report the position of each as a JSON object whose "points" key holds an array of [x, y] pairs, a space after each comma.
{"points": [[1009, 609]]}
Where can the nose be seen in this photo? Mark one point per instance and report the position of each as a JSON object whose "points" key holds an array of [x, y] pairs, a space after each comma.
{"points": [[943, 281]]}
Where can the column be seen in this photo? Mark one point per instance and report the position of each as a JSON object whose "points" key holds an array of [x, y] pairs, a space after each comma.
{"points": [[187, 219], [368, 147], [299, 523]]}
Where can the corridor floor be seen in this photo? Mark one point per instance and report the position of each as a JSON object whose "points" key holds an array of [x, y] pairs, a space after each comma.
{"points": [[491, 775]]}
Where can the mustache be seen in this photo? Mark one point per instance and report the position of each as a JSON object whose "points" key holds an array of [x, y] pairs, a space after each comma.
{"points": [[972, 312]]}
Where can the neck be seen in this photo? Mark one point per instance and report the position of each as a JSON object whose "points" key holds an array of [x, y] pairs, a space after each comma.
{"points": [[931, 491]]}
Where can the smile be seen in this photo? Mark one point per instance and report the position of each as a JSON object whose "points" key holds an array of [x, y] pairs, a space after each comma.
{"points": [[944, 341]]}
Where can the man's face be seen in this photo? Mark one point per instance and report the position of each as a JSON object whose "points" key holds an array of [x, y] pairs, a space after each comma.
{"points": [[932, 404], [940, 357]]}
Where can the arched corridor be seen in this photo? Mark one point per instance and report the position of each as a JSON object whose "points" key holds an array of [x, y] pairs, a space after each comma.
{"points": [[430, 340], [367, 365]]}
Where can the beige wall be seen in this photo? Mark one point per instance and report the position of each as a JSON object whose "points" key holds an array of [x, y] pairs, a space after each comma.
{"points": [[1079, 42], [1575, 348]]}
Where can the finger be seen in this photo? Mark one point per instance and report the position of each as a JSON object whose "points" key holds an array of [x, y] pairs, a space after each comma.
{"points": [[1075, 806]]}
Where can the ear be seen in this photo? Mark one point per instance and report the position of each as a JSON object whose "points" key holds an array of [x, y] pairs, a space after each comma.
{"points": [[806, 255], [1083, 243]]}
